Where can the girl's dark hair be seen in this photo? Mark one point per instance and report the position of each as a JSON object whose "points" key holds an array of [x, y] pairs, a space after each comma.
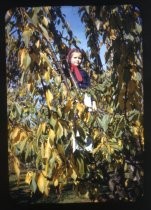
{"points": [[68, 58]]}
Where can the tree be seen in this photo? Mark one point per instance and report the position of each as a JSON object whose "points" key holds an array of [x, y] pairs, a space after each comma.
{"points": [[46, 114]]}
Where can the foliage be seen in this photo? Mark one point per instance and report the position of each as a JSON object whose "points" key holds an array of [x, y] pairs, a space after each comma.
{"points": [[46, 114]]}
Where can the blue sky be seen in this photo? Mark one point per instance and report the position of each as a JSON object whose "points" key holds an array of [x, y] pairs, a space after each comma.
{"points": [[75, 23], [77, 27]]}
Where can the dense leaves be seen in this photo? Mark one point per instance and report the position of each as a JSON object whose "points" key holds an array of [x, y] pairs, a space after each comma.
{"points": [[47, 118]]}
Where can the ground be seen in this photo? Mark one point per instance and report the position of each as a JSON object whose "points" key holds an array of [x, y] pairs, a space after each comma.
{"points": [[22, 194]]}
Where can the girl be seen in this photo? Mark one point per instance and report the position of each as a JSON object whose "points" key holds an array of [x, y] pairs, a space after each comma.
{"points": [[74, 60]]}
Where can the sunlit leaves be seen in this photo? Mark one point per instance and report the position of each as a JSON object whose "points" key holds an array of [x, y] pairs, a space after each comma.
{"points": [[44, 58], [25, 59], [49, 98], [68, 106], [53, 121], [43, 183], [28, 177], [64, 90], [26, 36], [74, 175], [56, 182], [59, 132], [45, 21], [51, 136], [35, 15], [80, 107], [48, 149], [87, 117], [57, 158], [47, 76], [41, 129], [58, 80], [44, 32], [17, 135]]}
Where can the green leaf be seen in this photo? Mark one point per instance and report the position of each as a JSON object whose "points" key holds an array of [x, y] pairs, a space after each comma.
{"points": [[138, 28], [33, 185], [18, 109], [53, 121], [104, 122], [45, 33], [34, 18], [81, 166]]}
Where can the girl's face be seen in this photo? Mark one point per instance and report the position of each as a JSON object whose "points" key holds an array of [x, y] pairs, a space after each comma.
{"points": [[76, 58]]}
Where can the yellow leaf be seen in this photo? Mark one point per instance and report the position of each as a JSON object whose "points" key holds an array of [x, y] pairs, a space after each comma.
{"points": [[137, 123], [136, 130], [110, 110], [56, 182], [39, 131], [57, 158], [37, 44], [43, 127], [42, 149], [35, 16], [113, 34], [23, 135], [60, 149], [30, 87], [26, 36], [73, 175], [41, 183], [95, 150], [17, 167], [80, 107], [64, 90], [57, 80], [45, 33], [44, 58], [47, 76], [49, 98], [45, 21], [120, 143], [28, 177], [59, 132], [59, 112], [87, 117], [51, 136], [47, 150], [96, 133], [15, 132], [47, 188], [68, 106], [25, 59]]}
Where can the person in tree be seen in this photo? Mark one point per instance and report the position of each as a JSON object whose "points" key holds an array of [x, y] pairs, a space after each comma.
{"points": [[74, 59]]}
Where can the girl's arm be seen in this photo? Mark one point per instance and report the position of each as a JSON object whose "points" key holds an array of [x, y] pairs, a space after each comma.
{"points": [[86, 80]]}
